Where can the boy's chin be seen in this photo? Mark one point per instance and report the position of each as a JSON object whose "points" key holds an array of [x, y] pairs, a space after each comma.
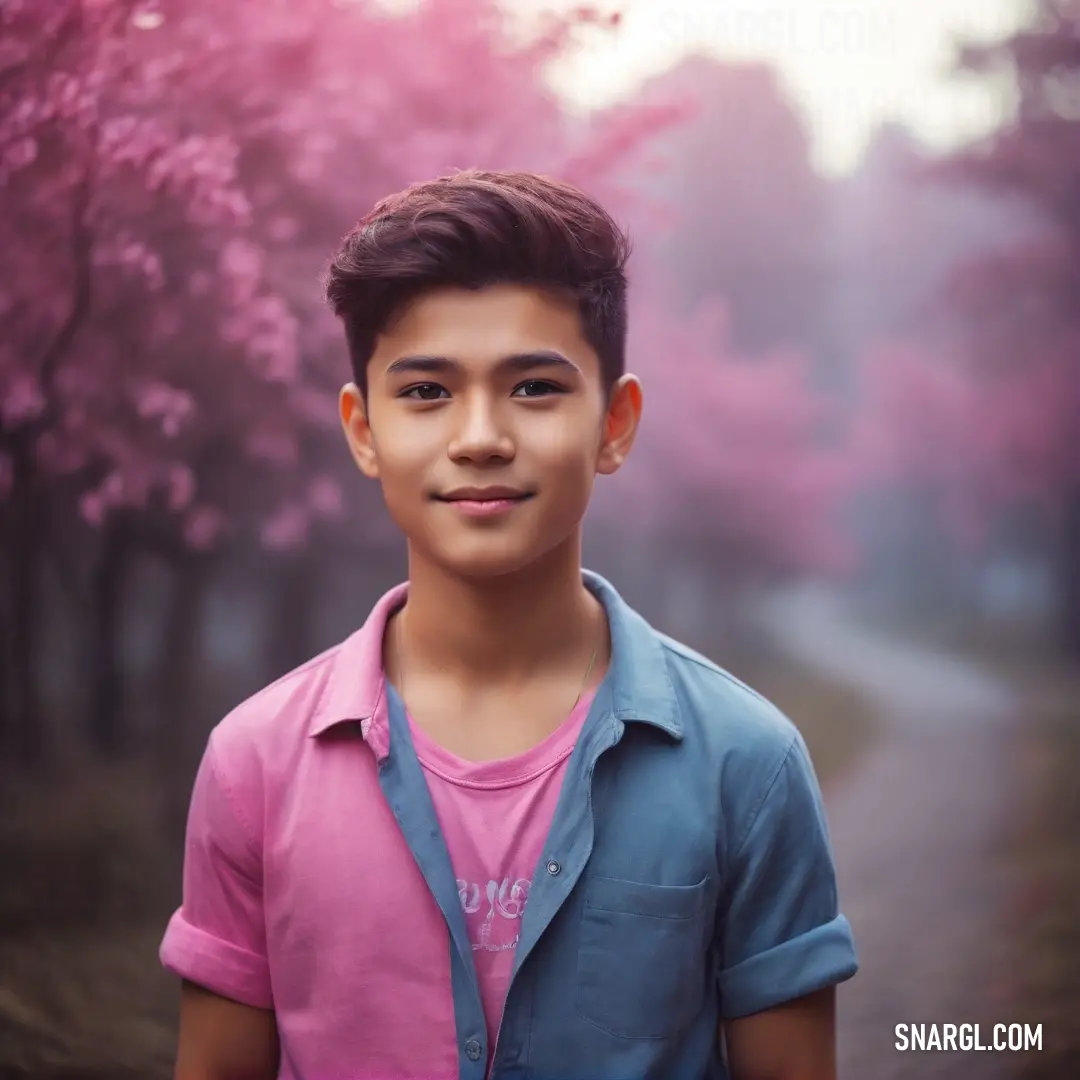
{"points": [[486, 562]]}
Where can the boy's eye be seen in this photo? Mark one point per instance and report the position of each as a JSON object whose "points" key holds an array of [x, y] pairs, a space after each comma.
{"points": [[433, 391], [537, 388], [425, 392]]}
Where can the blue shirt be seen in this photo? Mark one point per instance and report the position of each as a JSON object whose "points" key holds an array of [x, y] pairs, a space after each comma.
{"points": [[688, 876]]}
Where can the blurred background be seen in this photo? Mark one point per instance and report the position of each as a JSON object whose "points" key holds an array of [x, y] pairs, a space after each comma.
{"points": [[856, 313]]}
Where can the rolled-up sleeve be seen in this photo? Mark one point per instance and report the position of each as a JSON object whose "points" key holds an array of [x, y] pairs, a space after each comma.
{"points": [[217, 938], [780, 934]]}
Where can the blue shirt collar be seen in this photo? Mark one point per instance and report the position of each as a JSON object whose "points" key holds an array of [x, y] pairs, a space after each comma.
{"points": [[638, 679]]}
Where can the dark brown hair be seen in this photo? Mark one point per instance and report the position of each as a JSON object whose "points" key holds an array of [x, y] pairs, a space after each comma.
{"points": [[474, 229]]}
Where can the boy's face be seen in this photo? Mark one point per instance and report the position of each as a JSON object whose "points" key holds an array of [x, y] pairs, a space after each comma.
{"points": [[486, 424]]}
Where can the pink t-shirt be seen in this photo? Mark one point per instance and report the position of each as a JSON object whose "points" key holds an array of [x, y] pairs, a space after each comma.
{"points": [[495, 817], [301, 894]]}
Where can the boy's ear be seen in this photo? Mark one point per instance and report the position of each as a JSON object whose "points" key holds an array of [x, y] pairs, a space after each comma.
{"points": [[357, 430], [620, 424]]}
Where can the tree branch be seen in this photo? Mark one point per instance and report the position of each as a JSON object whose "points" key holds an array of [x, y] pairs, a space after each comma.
{"points": [[81, 244]]}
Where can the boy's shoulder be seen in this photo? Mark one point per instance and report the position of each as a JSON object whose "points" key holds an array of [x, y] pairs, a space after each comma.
{"points": [[273, 723], [721, 714]]}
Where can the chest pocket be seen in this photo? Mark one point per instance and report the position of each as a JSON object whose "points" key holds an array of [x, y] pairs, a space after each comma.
{"points": [[642, 966]]}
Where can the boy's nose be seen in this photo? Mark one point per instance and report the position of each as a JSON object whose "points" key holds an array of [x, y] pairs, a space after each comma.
{"points": [[482, 435]]}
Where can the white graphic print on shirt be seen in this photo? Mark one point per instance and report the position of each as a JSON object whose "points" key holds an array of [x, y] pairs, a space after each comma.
{"points": [[493, 916]]}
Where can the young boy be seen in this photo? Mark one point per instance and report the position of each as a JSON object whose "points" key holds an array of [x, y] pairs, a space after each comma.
{"points": [[506, 829]]}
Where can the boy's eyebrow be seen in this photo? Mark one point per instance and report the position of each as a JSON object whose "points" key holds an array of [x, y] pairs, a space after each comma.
{"points": [[430, 365]]}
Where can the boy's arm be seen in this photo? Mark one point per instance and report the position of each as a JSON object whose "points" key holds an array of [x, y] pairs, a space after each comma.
{"points": [[782, 944], [221, 1039], [216, 941], [794, 1041]]}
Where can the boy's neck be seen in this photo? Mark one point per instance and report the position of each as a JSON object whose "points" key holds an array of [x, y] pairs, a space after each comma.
{"points": [[506, 630]]}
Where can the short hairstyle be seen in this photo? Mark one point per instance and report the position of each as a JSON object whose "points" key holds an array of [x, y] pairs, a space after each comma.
{"points": [[474, 229]]}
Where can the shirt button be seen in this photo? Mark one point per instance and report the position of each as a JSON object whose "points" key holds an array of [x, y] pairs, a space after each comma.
{"points": [[473, 1049], [553, 867]]}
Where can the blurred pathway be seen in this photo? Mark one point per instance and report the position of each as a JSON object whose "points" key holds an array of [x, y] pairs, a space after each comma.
{"points": [[916, 827]]}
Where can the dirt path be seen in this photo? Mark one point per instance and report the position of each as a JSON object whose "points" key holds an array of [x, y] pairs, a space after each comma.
{"points": [[916, 829]]}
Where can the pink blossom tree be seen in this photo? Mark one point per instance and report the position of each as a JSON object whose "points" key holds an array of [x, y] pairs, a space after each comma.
{"points": [[1020, 306], [749, 208], [974, 446], [93, 171], [962, 449]]}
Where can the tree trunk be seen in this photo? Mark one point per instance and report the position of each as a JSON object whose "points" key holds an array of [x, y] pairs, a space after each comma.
{"points": [[107, 721], [292, 618], [26, 736], [1070, 574], [176, 681], [7, 717], [28, 530]]}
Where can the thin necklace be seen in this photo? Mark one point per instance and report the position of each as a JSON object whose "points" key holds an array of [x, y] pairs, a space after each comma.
{"points": [[401, 666], [588, 670]]}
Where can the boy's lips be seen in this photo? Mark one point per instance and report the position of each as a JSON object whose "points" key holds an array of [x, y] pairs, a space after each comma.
{"points": [[495, 493], [485, 501]]}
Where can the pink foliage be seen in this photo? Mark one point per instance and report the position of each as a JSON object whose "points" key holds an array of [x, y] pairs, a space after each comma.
{"points": [[978, 438], [920, 427], [1019, 306], [97, 164], [732, 449]]}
